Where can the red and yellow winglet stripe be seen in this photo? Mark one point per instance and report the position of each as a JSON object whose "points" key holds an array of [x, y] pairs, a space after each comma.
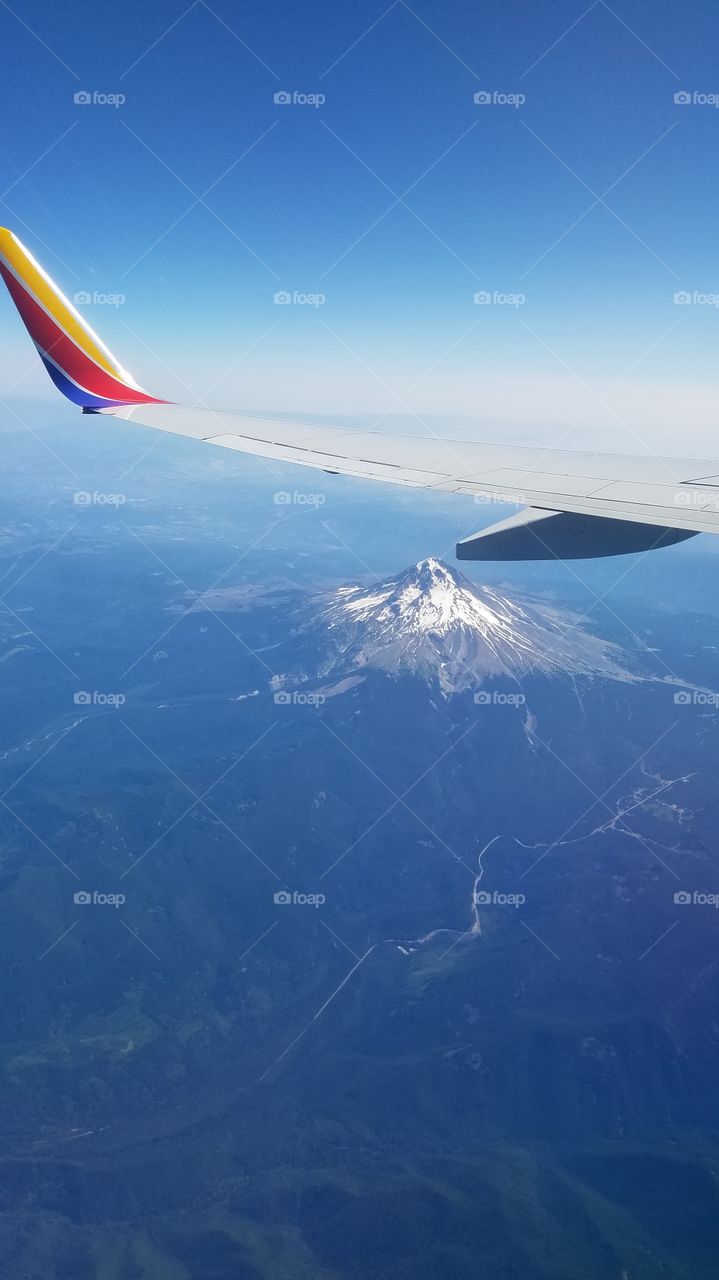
{"points": [[78, 362]]}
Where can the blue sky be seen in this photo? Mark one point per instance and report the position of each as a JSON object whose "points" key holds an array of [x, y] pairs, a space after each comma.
{"points": [[311, 200]]}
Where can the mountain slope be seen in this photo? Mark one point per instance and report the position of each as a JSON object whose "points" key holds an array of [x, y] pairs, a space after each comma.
{"points": [[433, 622]]}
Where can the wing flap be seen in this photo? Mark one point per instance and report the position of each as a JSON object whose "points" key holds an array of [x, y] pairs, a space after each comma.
{"points": [[563, 535]]}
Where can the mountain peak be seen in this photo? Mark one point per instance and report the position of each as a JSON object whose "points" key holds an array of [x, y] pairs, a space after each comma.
{"points": [[433, 568], [433, 621], [431, 573]]}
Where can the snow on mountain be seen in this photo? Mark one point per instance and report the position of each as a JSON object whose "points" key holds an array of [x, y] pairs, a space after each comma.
{"points": [[432, 621]]}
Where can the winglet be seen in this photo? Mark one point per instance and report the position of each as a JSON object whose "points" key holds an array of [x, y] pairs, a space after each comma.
{"points": [[79, 363]]}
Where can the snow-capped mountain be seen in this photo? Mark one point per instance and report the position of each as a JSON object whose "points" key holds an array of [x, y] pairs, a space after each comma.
{"points": [[432, 621]]}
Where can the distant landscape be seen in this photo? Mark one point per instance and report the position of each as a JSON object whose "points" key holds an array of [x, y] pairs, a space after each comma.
{"points": [[338, 911]]}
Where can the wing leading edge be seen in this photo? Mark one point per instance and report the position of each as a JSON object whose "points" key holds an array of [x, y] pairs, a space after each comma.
{"points": [[578, 504]]}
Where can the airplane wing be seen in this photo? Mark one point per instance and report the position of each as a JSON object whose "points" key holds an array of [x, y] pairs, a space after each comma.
{"points": [[577, 505]]}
